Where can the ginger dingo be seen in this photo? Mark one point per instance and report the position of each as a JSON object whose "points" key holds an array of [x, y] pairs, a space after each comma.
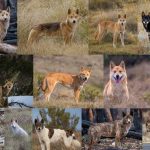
{"points": [[114, 27], [75, 82], [65, 29], [116, 90]]}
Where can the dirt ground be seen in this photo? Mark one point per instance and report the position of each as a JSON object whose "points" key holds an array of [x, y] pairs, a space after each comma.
{"points": [[127, 144], [91, 95]]}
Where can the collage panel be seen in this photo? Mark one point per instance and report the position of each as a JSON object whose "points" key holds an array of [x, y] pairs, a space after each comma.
{"points": [[146, 129], [16, 81], [18, 129], [51, 27], [112, 129], [62, 81], [2, 128], [8, 26], [118, 27], [126, 81], [56, 129]]}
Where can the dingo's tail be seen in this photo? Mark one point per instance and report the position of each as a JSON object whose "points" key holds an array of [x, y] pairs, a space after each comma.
{"points": [[44, 84]]}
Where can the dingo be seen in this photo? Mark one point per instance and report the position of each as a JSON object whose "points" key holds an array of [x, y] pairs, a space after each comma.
{"points": [[113, 27], [65, 29], [76, 82], [4, 23], [117, 129], [116, 89]]}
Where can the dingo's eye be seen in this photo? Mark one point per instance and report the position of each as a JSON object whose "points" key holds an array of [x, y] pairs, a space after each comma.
{"points": [[71, 16], [120, 71], [115, 71]]}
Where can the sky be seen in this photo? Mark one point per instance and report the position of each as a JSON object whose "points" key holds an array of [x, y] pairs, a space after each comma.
{"points": [[72, 111]]}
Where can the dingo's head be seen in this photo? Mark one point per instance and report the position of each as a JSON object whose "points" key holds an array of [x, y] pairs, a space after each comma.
{"points": [[5, 14], [118, 73], [84, 74], [146, 21], [73, 16], [14, 123], [39, 124], [127, 119], [122, 20], [8, 85]]}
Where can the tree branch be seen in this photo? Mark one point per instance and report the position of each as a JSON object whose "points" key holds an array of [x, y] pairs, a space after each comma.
{"points": [[7, 48], [20, 104]]}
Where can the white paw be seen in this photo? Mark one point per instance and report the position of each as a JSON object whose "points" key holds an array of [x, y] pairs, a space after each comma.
{"points": [[114, 46], [113, 144]]}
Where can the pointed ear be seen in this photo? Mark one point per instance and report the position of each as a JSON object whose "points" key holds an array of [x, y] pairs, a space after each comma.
{"points": [[119, 16], [89, 69], [122, 64], [77, 11], [124, 114], [125, 16], [8, 9], [35, 121], [69, 11], [143, 13], [82, 68], [42, 121], [112, 65]]}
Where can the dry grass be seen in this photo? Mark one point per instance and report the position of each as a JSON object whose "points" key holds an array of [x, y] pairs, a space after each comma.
{"points": [[91, 95], [138, 84], [146, 135], [24, 120], [34, 12], [132, 46]]}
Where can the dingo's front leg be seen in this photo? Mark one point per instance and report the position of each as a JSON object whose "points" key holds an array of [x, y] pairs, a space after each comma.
{"points": [[77, 95], [122, 38], [114, 39]]}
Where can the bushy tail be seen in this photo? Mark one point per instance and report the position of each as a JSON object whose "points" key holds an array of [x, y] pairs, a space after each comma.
{"points": [[33, 36], [44, 84]]}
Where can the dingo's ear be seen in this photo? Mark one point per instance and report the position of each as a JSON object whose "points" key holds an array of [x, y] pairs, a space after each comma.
{"points": [[77, 11], [125, 16], [143, 13], [82, 68], [112, 65], [69, 11], [119, 16], [42, 121], [124, 114], [122, 64], [8, 9]]}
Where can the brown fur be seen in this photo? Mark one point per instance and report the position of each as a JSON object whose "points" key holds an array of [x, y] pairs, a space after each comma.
{"points": [[76, 82], [114, 27], [65, 29], [117, 129]]}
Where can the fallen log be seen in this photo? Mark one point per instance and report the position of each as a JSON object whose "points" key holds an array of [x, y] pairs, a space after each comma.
{"points": [[7, 48]]}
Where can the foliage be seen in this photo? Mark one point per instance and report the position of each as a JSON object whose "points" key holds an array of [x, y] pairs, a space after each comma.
{"points": [[59, 118]]}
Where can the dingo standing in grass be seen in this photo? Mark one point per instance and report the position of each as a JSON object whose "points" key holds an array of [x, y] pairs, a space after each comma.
{"points": [[65, 29], [4, 23], [116, 90], [76, 82], [114, 27]]}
